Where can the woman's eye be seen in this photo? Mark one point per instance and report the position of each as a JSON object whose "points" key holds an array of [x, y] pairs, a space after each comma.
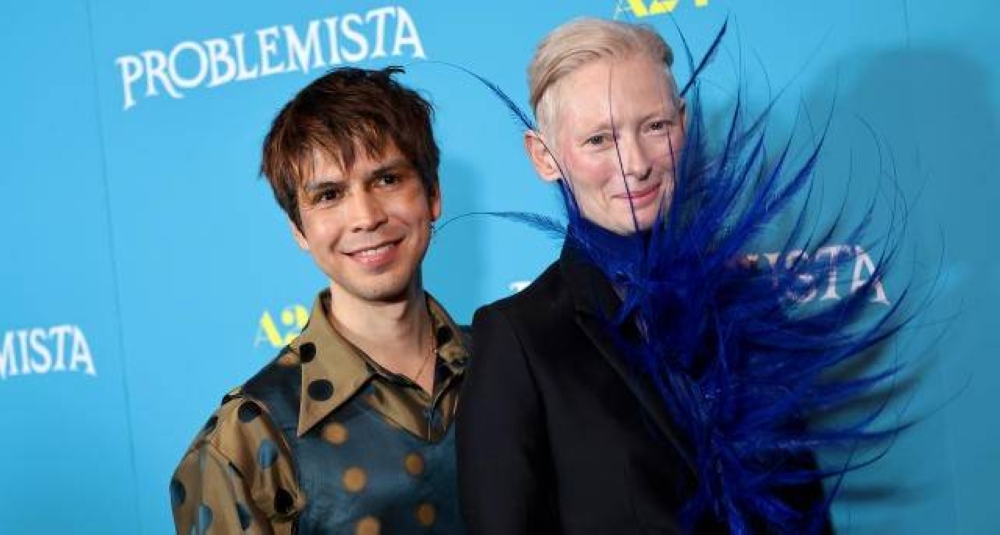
{"points": [[661, 125], [596, 140]]}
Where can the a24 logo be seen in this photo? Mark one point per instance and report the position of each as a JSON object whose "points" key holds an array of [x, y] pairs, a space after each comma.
{"points": [[645, 8], [277, 334]]}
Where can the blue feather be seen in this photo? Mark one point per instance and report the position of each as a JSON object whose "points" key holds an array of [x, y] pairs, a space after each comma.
{"points": [[706, 58], [548, 225], [742, 372], [523, 118]]}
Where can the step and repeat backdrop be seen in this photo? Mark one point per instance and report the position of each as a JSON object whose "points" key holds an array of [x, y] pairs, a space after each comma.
{"points": [[145, 268]]}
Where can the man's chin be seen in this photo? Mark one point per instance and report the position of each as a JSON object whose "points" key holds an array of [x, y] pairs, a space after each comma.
{"points": [[383, 294], [386, 288]]}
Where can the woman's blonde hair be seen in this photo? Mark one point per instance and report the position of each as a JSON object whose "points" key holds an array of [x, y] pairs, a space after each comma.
{"points": [[582, 41]]}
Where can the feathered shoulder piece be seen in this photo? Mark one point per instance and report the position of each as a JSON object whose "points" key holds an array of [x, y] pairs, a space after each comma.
{"points": [[739, 366]]}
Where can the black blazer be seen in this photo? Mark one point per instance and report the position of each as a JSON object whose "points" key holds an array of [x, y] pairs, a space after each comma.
{"points": [[555, 432]]}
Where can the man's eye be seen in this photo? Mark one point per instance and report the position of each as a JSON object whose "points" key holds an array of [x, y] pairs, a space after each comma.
{"points": [[329, 195], [596, 140], [387, 180]]}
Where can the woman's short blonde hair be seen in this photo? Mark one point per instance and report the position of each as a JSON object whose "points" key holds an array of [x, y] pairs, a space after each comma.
{"points": [[581, 41]]}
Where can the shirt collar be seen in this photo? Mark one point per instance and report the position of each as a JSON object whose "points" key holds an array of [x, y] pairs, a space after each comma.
{"points": [[334, 370]]}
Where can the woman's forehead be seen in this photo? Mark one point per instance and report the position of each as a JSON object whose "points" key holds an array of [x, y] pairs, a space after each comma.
{"points": [[606, 92]]}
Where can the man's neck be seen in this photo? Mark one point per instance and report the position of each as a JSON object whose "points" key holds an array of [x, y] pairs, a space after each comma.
{"points": [[396, 334]]}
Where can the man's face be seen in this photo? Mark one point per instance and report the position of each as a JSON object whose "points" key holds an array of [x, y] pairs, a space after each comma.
{"points": [[367, 229], [603, 101]]}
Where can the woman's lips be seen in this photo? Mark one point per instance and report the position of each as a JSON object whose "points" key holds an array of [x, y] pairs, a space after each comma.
{"points": [[642, 196]]}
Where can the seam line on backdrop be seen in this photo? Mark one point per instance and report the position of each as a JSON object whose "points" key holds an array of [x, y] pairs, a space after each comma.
{"points": [[906, 21], [92, 34]]}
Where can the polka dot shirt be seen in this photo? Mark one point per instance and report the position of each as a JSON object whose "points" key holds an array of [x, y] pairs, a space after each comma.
{"points": [[324, 440]]}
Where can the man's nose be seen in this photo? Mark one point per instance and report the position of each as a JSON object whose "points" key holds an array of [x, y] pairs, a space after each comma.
{"points": [[366, 211]]}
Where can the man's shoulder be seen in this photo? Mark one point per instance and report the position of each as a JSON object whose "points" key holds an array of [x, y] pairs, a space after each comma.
{"points": [[239, 445], [245, 413], [281, 374], [238, 423]]}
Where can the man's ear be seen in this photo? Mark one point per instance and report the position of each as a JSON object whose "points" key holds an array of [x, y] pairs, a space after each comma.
{"points": [[435, 202], [541, 157], [300, 238]]}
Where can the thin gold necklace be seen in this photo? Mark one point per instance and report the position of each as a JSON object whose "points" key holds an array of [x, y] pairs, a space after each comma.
{"points": [[427, 357]]}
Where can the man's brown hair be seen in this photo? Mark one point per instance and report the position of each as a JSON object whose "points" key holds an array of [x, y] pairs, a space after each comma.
{"points": [[345, 110]]}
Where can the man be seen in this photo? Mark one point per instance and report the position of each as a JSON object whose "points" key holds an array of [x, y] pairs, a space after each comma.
{"points": [[349, 428], [559, 432]]}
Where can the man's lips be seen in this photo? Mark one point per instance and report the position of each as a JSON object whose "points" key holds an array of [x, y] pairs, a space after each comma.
{"points": [[375, 255]]}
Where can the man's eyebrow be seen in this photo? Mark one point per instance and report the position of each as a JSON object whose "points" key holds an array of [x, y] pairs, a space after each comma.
{"points": [[396, 164], [317, 184], [322, 183]]}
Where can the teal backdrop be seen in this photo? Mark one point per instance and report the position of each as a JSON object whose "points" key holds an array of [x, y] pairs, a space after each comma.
{"points": [[145, 268]]}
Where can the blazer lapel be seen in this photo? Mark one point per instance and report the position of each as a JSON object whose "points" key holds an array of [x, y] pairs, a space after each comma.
{"points": [[594, 302]]}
